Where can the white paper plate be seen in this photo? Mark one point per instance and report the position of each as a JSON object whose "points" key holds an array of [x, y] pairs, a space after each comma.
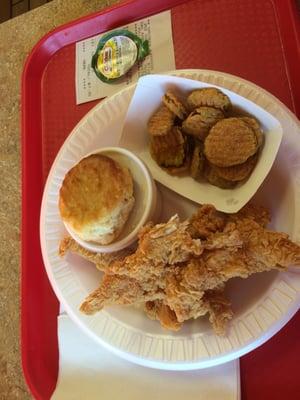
{"points": [[135, 137], [262, 304]]}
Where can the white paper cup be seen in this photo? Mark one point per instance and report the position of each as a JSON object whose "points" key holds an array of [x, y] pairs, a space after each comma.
{"points": [[135, 137]]}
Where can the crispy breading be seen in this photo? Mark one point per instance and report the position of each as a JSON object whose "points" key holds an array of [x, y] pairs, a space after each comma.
{"points": [[211, 97], [265, 246], [177, 171], [224, 240], [256, 128], [161, 122], [121, 290], [102, 260], [231, 144], [219, 310], [206, 221], [183, 277], [159, 311], [174, 104], [215, 179], [238, 172], [160, 246], [230, 141], [213, 302], [168, 150], [257, 213], [199, 122], [198, 162], [262, 250]]}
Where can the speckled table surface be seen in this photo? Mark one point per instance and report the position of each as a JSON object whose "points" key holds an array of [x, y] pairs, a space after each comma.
{"points": [[17, 38]]}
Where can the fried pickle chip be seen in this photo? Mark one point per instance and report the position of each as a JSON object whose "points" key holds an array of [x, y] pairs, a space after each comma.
{"points": [[182, 170], [211, 97], [237, 172], [230, 141], [161, 122], [256, 127], [168, 150], [213, 178], [198, 161], [199, 122], [172, 102]]}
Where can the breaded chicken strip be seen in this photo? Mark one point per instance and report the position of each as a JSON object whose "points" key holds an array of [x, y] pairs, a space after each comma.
{"points": [[159, 246], [262, 250], [142, 274], [159, 311], [102, 260], [219, 310], [120, 290], [180, 268], [207, 220], [213, 302]]}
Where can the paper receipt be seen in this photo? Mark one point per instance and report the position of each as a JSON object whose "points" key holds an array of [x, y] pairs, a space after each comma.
{"points": [[156, 29]]}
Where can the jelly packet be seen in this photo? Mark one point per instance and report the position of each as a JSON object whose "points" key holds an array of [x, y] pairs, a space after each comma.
{"points": [[117, 52]]}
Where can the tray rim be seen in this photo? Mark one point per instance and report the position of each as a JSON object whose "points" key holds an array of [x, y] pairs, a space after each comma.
{"points": [[31, 83]]}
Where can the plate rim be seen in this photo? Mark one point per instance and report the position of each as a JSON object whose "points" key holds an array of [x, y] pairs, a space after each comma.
{"points": [[211, 360]]}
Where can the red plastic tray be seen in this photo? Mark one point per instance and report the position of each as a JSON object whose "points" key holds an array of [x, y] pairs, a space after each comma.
{"points": [[255, 39]]}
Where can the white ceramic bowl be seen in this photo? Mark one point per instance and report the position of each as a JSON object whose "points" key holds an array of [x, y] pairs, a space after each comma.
{"points": [[145, 206]]}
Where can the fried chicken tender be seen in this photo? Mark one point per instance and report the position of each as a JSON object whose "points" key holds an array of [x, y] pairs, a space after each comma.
{"points": [[211, 97], [257, 213], [121, 290], [179, 276], [213, 302], [206, 221], [102, 260], [159, 311], [219, 310], [262, 250], [159, 246], [273, 249]]}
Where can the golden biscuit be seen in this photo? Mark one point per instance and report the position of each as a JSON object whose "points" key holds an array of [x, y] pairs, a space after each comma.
{"points": [[96, 198], [237, 172], [230, 141], [199, 122], [172, 102], [161, 122], [211, 97], [256, 127]]}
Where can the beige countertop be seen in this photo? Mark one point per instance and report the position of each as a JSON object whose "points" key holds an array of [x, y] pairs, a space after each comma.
{"points": [[17, 38]]}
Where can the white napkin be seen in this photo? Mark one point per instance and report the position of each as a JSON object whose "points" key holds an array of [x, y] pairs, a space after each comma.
{"points": [[88, 371]]}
